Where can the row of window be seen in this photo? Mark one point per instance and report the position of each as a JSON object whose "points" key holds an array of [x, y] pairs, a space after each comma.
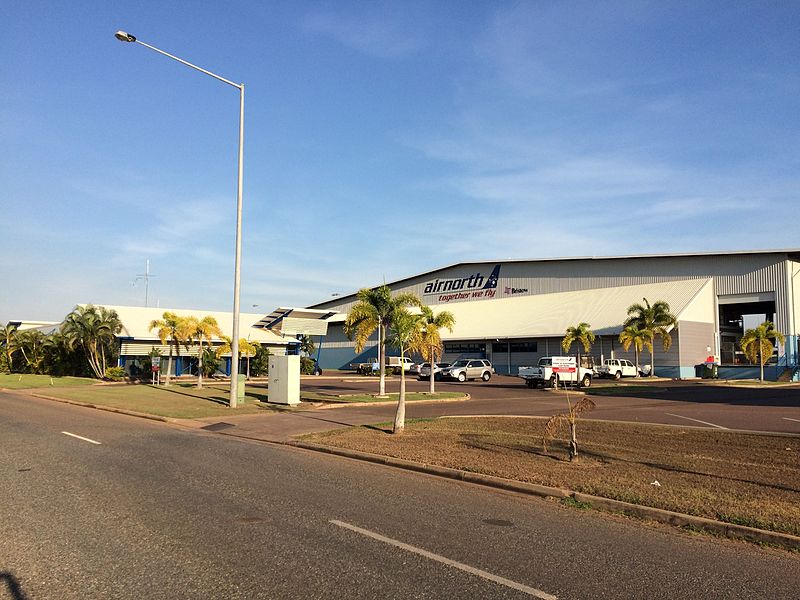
{"points": [[497, 347]]}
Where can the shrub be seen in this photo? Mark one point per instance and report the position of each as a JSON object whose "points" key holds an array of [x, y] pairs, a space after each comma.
{"points": [[307, 365], [259, 364], [115, 373]]}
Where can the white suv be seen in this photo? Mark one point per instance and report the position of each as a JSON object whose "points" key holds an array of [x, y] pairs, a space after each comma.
{"points": [[469, 368], [616, 368]]}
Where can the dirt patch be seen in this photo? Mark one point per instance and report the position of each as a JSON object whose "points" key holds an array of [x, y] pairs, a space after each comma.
{"points": [[747, 479]]}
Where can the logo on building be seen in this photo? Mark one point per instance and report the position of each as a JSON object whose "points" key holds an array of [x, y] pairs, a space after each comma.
{"points": [[512, 290], [475, 286]]}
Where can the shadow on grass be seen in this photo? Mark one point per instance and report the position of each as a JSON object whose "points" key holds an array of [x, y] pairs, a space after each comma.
{"points": [[215, 399], [476, 442]]}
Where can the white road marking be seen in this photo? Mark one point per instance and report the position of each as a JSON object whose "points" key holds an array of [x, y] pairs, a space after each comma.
{"points": [[790, 419], [472, 570], [696, 421], [80, 437]]}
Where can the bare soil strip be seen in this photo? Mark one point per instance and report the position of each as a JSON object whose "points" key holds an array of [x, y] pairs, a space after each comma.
{"points": [[741, 478]]}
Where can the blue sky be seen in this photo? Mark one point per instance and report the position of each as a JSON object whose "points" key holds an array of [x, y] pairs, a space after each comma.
{"points": [[382, 140]]}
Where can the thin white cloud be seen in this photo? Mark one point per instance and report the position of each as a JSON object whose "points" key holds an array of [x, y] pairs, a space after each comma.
{"points": [[374, 29]]}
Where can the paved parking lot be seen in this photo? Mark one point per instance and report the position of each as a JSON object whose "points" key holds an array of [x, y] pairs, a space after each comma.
{"points": [[694, 403]]}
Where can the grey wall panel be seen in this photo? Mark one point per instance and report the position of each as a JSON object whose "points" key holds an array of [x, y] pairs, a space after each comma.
{"points": [[695, 338]]}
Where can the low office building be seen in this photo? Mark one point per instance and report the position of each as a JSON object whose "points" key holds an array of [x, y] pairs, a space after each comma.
{"points": [[513, 312], [137, 340]]}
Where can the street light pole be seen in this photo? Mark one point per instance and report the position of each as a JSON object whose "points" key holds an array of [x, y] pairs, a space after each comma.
{"points": [[234, 394]]}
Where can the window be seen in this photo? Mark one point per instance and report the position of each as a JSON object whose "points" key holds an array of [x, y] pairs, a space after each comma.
{"points": [[464, 348], [498, 347]]}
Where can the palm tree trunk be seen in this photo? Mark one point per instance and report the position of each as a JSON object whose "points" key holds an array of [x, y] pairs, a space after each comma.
{"points": [[573, 441], [761, 363], [381, 366], [169, 364], [636, 354], [200, 365], [653, 360], [433, 365], [400, 415]]}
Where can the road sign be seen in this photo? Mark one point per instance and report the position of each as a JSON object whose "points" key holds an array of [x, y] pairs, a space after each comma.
{"points": [[564, 364]]}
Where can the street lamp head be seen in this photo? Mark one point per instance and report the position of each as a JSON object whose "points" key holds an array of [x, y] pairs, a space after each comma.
{"points": [[124, 37]]}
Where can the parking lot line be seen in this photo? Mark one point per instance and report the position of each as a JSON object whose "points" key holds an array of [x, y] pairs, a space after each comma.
{"points": [[696, 421], [790, 419], [451, 563]]}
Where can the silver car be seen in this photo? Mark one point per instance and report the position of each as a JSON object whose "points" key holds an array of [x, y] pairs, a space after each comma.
{"points": [[425, 370], [469, 368]]}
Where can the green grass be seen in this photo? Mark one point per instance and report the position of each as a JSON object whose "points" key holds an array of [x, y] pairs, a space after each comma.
{"points": [[20, 381], [354, 398], [181, 401]]}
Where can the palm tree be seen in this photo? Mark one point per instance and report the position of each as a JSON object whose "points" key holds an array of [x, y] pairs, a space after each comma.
{"points": [[246, 348], [639, 338], [406, 335], [94, 329], [307, 345], [201, 329], [375, 309], [31, 343], [571, 419], [171, 330], [583, 334], [656, 319], [757, 343], [432, 341], [7, 335]]}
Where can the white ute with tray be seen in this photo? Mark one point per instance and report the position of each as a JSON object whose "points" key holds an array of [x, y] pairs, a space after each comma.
{"points": [[554, 370]]}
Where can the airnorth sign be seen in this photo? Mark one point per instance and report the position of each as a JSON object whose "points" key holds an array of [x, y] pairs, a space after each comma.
{"points": [[475, 286]]}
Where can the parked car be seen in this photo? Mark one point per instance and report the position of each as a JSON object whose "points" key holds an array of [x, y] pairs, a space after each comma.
{"points": [[425, 371], [414, 369], [396, 363], [616, 368], [552, 371], [469, 368]]}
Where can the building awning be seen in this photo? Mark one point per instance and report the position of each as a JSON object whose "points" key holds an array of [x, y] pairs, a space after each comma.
{"points": [[297, 321], [549, 315]]}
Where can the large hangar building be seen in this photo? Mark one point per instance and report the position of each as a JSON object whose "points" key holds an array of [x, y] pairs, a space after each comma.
{"points": [[515, 311]]}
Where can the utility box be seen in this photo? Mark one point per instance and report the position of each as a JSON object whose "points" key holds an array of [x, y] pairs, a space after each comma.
{"points": [[284, 379]]}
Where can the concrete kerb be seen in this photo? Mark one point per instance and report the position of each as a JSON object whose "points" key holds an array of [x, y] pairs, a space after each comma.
{"points": [[730, 530], [333, 404]]}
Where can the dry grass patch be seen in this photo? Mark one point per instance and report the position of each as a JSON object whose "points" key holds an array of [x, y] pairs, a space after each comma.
{"points": [[747, 479]]}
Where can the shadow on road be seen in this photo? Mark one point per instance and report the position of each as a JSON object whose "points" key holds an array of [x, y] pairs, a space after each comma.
{"points": [[12, 585], [710, 394]]}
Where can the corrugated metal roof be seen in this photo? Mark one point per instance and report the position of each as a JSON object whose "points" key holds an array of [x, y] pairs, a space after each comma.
{"points": [[789, 251], [136, 323], [548, 315]]}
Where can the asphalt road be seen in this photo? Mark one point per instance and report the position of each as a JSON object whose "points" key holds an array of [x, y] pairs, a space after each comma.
{"points": [[156, 511], [769, 408]]}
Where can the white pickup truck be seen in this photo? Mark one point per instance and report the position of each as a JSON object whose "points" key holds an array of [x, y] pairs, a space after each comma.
{"points": [[616, 368], [396, 362], [553, 370]]}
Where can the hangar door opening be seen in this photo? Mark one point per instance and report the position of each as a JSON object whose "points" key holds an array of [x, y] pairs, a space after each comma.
{"points": [[737, 314]]}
